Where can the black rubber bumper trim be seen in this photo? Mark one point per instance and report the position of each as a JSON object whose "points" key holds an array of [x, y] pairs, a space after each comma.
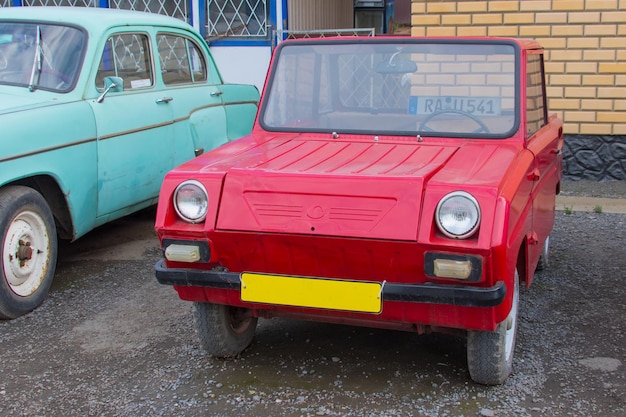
{"points": [[196, 277], [409, 293], [446, 294]]}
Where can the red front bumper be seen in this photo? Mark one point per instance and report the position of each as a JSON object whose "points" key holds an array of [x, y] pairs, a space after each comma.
{"points": [[403, 305]]}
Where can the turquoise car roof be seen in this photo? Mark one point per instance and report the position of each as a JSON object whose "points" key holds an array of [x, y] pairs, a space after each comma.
{"points": [[92, 18]]}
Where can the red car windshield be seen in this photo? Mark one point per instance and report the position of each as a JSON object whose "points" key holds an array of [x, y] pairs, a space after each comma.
{"points": [[378, 86]]}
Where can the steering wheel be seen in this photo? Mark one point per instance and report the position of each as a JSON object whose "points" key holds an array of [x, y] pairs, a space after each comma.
{"points": [[481, 129], [4, 62]]}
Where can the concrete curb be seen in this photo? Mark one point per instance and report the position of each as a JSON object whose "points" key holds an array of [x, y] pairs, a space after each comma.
{"points": [[591, 204]]}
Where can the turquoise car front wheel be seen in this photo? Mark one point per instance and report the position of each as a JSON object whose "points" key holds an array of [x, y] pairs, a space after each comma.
{"points": [[29, 250]]}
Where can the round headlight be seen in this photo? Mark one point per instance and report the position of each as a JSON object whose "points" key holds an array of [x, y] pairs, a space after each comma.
{"points": [[458, 215], [191, 201]]}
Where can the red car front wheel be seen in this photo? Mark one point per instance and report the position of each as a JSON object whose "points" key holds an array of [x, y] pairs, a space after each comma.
{"points": [[224, 331], [490, 354]]}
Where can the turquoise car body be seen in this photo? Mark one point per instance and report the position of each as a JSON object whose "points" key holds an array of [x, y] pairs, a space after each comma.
{"points": [[96, 155]]}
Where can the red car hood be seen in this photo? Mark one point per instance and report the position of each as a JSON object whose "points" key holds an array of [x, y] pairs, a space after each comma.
{"points": [[348, 189], [371, 190]]}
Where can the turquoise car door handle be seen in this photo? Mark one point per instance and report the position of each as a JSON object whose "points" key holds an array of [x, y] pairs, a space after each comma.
{"points": [[216, 93], [164, 100]]}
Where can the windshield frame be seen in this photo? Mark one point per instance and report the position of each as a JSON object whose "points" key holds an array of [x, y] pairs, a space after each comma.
{"points": [[283, 51]]}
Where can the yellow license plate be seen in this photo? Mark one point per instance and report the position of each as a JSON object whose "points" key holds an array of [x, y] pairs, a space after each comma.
{"points": [[311, 292]]}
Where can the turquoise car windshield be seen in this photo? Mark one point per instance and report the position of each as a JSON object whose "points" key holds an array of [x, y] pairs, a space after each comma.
{"points": [[40, 56], [445, 88]]}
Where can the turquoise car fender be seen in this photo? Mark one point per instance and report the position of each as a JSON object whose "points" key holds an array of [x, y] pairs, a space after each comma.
{"points": [[207, 128], [241, 104], [59, 142], [214, 125]]}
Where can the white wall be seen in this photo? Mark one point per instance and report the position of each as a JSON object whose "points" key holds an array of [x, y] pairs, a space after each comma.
{"points": [[243, 64]]}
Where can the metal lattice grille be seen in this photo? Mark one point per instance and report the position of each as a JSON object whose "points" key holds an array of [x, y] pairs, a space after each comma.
{"points": [[174, 8], [181, 61], [294, 34], [364, 87], [72, 3], [126, 56], [130, 52], [237, 18], [172, 50]]}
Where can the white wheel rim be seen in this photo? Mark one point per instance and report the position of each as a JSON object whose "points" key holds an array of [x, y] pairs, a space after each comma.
{"points": [[26, 253], [511, 322]]}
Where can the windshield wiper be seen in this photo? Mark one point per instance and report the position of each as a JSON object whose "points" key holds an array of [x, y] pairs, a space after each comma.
{"points": [[36, 71]]}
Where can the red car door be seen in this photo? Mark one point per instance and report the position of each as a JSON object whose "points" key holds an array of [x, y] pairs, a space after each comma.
{"points": [[544, 139]]}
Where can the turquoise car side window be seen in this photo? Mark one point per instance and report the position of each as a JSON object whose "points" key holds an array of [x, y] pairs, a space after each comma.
{"points": [[126, 55], [181, 60]]}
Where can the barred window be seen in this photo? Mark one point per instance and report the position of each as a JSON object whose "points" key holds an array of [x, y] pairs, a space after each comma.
{"points": [[175, 8], [72, 3], [237, 18], [181, 60], [127, 56]]}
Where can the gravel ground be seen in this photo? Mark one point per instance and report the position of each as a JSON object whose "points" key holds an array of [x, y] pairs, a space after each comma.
{"points": [[110, 341], [587, 188]]}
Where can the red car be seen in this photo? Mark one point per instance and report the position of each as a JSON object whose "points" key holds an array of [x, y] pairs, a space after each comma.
{"points": [[394, 182]]}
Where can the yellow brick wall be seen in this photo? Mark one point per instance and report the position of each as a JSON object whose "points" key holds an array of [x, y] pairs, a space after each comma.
{"points": [[585, 42]]}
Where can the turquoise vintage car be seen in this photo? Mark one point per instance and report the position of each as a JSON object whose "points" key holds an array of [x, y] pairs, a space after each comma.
{"points": [[96, 105]]}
